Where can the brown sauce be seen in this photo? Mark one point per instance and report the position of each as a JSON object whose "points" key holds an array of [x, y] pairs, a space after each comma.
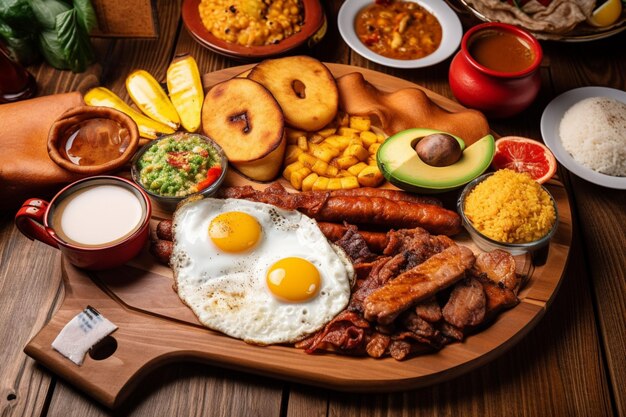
{"points": [[399, 30], [501, 51], [94, 142]]}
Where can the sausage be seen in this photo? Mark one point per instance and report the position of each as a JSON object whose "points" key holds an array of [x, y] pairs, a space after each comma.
{"points": [[164, 230], [388, 213], [376, 241], [360, 210], [395, 195], [162, 250]]}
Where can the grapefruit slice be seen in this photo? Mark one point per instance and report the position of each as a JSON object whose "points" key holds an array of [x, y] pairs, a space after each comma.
{"points": [[524, 155]]}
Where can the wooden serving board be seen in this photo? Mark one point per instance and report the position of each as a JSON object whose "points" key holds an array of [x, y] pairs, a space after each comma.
{"points": [[155, 327]]}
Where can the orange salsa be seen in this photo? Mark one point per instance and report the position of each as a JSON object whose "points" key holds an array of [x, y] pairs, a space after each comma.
{"points": [[398, 29]]}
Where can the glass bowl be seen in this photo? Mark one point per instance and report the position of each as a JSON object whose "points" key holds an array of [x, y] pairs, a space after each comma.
{"points": [[169, 203], [488, 244]]}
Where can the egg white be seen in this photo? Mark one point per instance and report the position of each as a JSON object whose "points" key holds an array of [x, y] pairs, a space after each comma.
{"points": [[228, 291]]}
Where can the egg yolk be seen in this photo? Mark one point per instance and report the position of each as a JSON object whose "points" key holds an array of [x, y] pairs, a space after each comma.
{"points": [[235, 231], [293, 279]]}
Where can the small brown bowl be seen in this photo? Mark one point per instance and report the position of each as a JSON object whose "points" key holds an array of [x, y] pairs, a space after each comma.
{"points": [[71, 118], [313, 29]]}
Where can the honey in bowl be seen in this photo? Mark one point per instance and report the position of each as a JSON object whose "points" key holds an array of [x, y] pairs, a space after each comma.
{"points": [[94, 142], [501, 51]]}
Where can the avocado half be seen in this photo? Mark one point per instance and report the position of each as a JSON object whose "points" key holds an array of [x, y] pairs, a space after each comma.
{"points": [[401, 166]]}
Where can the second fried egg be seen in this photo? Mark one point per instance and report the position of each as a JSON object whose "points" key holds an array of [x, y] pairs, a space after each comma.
{"points": [[257, 272]]}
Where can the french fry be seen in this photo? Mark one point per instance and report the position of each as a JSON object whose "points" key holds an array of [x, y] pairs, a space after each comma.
{"points": [[357, 151], [349, 182], [348, 132], [298, 176], [326, 132], [334, 184], [320, 184], [336, 141], [316, 138], [368, 138], [370, 176], [356, 169], [303, 143], [345, 162], [360, 123], [373, 148], [325, 152], [289, 169], [307, 183], [291, 154]]}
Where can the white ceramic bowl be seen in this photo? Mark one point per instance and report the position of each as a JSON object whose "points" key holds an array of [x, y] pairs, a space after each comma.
{"points": [[452, 32], [551, 120]]}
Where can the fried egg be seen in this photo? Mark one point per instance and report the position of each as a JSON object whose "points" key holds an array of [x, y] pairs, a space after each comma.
{"points": [[257, 272]]}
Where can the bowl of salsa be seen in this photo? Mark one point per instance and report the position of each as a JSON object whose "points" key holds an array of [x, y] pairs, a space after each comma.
{"points": [[177, 166]]}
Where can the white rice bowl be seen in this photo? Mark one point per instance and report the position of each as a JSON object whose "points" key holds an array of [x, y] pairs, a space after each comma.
{"points": [[593, 131]]}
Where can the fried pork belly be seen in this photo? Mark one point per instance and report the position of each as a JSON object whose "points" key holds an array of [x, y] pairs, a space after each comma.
{"points": [[355, 245], [400, 306], [499, 267], [429, 310], [407, 249], [467, 304], [417, 284], [496, 272]]}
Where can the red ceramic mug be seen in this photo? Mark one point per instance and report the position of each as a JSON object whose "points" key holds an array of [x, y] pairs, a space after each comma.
{"points": [[98, 222], [500, 89]]}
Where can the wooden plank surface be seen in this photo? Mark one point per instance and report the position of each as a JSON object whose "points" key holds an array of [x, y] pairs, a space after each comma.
{"points": [[571, 364]]}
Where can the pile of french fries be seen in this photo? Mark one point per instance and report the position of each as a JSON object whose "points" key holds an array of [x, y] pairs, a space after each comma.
{"points": [[333, 158]]}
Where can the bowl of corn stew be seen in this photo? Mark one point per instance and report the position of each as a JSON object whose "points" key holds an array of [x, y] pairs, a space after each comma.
{"points": [[251, 30]]}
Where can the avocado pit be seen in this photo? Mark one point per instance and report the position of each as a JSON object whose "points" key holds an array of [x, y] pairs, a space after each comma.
{"points": [[438, 149]]}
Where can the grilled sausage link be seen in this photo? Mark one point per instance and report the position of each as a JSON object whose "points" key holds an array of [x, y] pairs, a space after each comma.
{"points": [[162, 250], [388, 213]]}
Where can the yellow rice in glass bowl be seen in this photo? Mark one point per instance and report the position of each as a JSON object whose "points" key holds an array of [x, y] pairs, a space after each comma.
{"points": [[510, 207]]}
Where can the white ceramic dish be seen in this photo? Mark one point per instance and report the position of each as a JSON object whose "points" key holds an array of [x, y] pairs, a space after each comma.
{"points": [[551, 119], [452, 32]]}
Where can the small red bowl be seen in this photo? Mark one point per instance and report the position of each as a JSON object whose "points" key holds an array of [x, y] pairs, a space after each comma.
{"points": [[313, 30], [495, 93]]}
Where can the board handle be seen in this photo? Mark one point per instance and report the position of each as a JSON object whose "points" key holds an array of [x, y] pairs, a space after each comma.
{"points": [[108, 373], [138, 343]]}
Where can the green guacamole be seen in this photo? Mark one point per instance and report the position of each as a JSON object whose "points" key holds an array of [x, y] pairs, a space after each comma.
{"points": [[174, 166]]}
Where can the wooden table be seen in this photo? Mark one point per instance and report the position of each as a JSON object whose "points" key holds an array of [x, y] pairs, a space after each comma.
{"points": [[572, 363]]}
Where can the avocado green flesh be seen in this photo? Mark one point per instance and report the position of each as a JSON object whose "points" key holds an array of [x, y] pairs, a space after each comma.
{"points": [[400, 164]]}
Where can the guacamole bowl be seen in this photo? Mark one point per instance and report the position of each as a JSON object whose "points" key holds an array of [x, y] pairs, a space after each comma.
{"points": [[174, 167]]}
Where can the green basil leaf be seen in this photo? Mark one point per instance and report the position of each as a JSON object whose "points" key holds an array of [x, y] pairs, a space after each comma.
{"points": [[86, 15], [21, 46], [52, 50], [18, 14], [46, 11], [74, 40]]}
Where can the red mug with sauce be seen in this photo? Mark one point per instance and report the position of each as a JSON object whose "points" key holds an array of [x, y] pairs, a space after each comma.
{"points": [[98, 222], [496, 70]]}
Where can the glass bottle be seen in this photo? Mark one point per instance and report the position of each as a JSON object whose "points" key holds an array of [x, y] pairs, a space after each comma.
{"points": [[15, 82]]}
